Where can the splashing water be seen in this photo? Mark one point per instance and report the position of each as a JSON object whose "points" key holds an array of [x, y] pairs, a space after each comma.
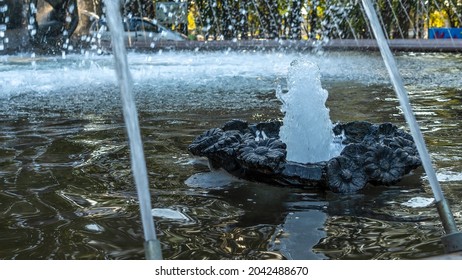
{"points": [[307, 128], [3, 24]]}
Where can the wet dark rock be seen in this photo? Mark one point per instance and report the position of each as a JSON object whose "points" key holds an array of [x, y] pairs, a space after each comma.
{"points": [[270, 129], [302, 174], [373, 153], [354, 132]]}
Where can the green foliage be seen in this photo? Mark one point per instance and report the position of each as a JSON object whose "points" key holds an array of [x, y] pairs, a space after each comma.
{"points": [[296, 19]]}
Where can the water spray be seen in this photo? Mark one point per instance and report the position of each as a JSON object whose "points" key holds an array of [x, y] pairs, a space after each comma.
{"points": [[114, 19], [452, 241]]}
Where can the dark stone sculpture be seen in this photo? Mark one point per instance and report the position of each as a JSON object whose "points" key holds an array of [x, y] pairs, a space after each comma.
{"points": [[379, 154]]}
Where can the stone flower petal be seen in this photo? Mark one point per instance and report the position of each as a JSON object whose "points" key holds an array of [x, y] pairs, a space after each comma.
{"points": [[228, 142], [205, 140], [266, 156], [355, 152], [383, 165], [345, 176]]}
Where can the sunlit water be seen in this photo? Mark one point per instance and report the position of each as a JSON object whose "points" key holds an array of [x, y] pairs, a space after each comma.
{"points": [[67, 193]]}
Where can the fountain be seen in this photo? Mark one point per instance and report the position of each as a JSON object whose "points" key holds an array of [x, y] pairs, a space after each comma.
{"points": [[306, 149], [65, 163], [297, 105], [375, 154]]}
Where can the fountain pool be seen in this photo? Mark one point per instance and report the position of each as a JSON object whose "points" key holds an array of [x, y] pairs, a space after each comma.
{"points": [[67, 193]]}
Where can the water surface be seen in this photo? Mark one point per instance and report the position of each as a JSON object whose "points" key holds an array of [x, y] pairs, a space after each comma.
{"points": [[66, 190]]}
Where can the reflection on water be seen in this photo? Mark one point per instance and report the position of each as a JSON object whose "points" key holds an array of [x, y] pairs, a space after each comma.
{"points": [[66, 190]]}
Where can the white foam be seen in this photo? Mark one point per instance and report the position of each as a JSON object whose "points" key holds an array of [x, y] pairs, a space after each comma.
{"points": [[26, 72], [449, 176], [213, 179], [170, 214], [307, 128], [418, 202]]}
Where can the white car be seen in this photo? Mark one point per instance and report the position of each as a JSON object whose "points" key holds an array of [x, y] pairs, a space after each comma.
{"points": [[136, 29]]}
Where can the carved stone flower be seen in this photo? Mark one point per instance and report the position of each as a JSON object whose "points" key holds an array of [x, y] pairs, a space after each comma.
{"points": [[228, 143], [224, 151], [384, 165], [205, 140], [355, 152], [411, 158], [265, 156], [345, 176]]}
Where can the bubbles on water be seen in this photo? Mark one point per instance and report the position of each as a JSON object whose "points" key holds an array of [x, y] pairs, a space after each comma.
{"points": [[32, 23]]}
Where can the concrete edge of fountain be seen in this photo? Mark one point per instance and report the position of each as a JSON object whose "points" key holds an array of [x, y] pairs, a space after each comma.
{"points": [[411, 45], [17, 44]]}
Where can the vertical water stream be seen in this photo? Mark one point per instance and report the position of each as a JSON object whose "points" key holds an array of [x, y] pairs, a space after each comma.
{"points": [[131, 122], [307, 128], [453, 240]]}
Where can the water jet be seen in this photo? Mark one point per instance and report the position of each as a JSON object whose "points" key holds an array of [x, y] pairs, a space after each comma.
{"points": [[305, 148], [65, 160], [452, 241]]}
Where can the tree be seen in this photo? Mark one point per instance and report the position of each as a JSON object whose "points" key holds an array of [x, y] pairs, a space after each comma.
{"points": [[318, 19]]}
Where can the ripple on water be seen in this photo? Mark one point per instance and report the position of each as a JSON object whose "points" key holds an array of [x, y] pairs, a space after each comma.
{"points": [[67, 192]]}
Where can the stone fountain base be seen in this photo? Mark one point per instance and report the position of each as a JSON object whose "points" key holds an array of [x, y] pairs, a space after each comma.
{"points": [[379, 154]]}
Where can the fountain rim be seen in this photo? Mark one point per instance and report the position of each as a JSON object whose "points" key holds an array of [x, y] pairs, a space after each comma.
{"points": [[370, 45], [407, 45]]}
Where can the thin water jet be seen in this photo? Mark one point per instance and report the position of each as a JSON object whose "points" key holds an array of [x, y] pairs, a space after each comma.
{"points": [[452, 241], [152, 244]]}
